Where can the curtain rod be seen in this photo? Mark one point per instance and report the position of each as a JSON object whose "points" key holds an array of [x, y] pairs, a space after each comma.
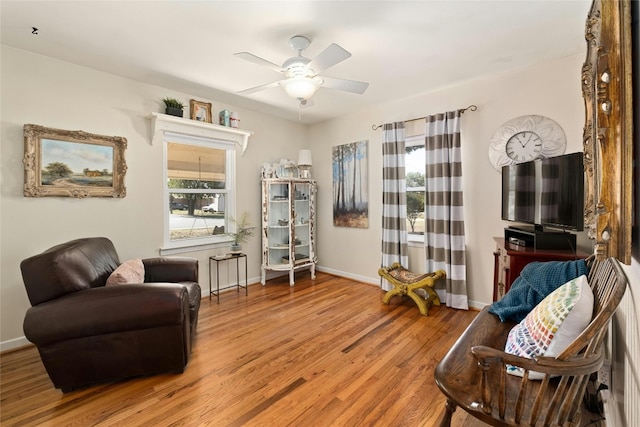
{"points": [[471, 107]]}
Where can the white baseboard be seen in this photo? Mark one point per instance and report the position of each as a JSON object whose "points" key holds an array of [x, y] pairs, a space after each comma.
{"points": [[204, 287], [476, 305], [14, 343], [370, 280]]}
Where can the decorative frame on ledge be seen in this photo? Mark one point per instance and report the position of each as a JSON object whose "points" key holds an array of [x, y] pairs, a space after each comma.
{"points": [[161, 123]]}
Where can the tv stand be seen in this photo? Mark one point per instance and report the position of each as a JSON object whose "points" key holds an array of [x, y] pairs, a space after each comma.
{"points": [[510, 259], [537, 238]]}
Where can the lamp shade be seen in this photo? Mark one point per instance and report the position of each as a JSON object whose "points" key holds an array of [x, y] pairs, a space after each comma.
{"points": [[300, 87], [304, 158]]}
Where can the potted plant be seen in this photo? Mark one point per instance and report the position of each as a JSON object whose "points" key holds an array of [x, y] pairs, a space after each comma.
{"points": [[244, 230], [173, 107]]}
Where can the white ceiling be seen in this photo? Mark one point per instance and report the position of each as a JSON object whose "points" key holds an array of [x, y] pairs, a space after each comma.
{"points": [[400, 47]]}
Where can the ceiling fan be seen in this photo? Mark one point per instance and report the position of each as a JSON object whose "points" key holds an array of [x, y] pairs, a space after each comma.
{"points": [[302, 75]]}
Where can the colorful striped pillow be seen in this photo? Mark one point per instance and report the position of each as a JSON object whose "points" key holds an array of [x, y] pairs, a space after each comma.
{"points": [[552, 325]]}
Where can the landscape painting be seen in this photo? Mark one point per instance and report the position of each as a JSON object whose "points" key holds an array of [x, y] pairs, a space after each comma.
{"points": [[350, 185], [73, 163], [69, 164]]}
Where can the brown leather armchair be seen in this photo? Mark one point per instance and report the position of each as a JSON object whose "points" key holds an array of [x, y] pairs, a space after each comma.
{"points": [[89, 333]]}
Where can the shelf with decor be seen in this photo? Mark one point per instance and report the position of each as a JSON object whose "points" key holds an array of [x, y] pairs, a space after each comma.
{"points": [[162, 123], [288, 226]]}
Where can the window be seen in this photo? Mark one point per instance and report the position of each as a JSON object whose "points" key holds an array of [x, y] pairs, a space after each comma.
{"points": [[415, 176], [199, 190]]}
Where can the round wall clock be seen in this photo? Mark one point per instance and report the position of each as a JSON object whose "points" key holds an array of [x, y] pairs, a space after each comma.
{"points": [[526, 138]]}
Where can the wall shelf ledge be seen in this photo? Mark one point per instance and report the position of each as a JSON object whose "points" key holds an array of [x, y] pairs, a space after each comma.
{"points": [[161, 123]]}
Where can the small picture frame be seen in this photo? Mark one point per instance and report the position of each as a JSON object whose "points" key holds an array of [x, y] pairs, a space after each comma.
{"points": [[200, 111]]}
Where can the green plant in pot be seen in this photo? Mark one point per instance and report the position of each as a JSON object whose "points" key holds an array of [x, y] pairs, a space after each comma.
{"points": [[173, 107], [244, 230]]}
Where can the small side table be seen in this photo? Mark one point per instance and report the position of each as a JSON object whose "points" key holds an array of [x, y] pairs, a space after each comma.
{"points": [[228, 257]]}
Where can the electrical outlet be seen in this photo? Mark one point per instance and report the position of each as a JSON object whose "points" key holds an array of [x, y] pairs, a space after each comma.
{"points": [[604, 374]]}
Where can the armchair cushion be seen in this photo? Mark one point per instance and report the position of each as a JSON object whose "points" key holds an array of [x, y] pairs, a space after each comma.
{"points": [[131, 271], [552, 325], [69, 267]]}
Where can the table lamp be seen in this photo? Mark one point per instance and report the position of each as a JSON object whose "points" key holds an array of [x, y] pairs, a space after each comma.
{"points": [[304, 163]]}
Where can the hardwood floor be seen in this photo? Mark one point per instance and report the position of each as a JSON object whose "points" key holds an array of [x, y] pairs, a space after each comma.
{"points": [[323, 353]]}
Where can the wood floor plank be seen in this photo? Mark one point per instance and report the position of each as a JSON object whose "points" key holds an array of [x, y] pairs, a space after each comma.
{"points": [[326, 352]]}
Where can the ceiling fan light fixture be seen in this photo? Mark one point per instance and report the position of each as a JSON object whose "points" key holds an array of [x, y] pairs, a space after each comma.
{"points": [[302, 75], [297, 66], [301, 87]]}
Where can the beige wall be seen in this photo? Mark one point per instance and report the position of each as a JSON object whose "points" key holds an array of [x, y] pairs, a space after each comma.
{"points": [[51, 93], [551, 89]]}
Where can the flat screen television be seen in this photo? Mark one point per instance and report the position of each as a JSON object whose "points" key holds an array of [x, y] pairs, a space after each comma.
{"points": [[545, 192]]}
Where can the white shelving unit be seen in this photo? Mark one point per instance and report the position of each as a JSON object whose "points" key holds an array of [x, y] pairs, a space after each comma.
{"points": [[288, 226]]}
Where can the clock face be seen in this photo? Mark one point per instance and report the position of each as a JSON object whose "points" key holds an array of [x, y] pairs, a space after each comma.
{"points": [[524, 146], [526, 138]]}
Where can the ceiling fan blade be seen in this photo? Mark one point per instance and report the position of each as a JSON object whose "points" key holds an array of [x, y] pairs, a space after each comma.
{"points": [[328, 58], [258, 88], [257, 60], [346, 85]]}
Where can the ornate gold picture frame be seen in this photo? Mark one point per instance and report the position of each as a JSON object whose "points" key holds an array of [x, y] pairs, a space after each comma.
{"points": [[200, 111], [63, 163], [608, 130]]}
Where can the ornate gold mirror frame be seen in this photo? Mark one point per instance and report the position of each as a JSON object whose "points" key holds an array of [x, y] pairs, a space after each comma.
{"points": [[608, 130]]}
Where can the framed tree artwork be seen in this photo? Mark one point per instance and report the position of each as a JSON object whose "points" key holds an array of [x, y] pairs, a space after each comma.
{"points": [[350, 185]]}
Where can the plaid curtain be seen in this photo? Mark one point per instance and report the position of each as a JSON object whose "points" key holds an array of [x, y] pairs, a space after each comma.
{"points": [[394, 199], [444, 220]]}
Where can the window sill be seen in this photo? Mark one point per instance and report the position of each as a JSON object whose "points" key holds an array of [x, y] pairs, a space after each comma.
{"points": [[415, 244], [193, 247], [415, 240]]}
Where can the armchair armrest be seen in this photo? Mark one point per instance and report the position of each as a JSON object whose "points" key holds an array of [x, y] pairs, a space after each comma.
{"points": [[577, 365], [106, 310], [494, 378], [170, 269]]}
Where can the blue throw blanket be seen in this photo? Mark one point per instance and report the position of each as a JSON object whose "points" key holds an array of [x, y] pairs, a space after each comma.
{"points": [[536, 281]]}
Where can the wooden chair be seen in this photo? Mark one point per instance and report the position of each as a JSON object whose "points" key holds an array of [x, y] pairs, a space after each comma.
{"points": [[408, 283], [473, 376]]}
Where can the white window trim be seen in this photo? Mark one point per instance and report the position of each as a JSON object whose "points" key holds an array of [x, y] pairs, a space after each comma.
{"points": [[415, 240], [230, 203], [193, 132]]}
